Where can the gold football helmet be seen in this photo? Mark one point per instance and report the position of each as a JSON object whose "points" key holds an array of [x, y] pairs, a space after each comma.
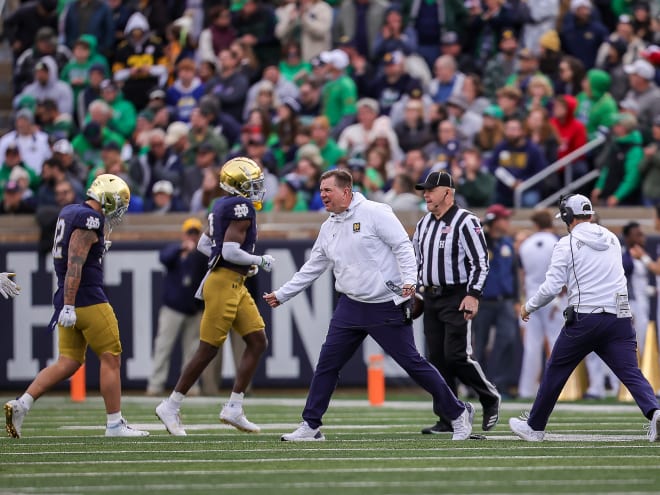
{"points": [[241, 176], [113, 195]]}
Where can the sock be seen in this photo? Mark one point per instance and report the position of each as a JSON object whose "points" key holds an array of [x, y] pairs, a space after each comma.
{"points": [[26, 400], [176, 399], [236, 400], [113, 419]]}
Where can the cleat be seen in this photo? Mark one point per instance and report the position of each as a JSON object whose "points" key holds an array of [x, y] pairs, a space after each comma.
{"points": [[520, 427], [171, 419], [14, 416], [304, 433], [122, 429], [654, 427], [440, 427], [463, 424], [234, 416], [491, 416]]}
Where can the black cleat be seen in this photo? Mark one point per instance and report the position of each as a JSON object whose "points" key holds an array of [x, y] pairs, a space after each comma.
{"points": [[491, 416], [440, 427]]}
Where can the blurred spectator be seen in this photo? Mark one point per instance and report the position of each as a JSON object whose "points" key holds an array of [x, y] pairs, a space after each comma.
{"points": [[299, 190], [596, 107], [539, 93], [542, 18], [95, 134], [572, 132], [12, 160], [47, 85], [619, 161], [513, 161], [32, 143], [467, 122], [22, 25], [550, 55], [486, 26], [180, 313], [287, 127], [75, 170], [246, 60], [413, 132], [473, 183], [328, 147], [186, 91], [445, 149], [543, 135], [45, 44], [55, 124], [193, 176], [644, 92], [473, 92], [231, 86], [401, 196], [315, 18], [200, 133], [510, 102], [394, 36], [218, 36], [255, 27], [176, 137], [121, 12], [203, 197], [501, 65], [159, 13], [447, 81], [123, 114], [280, 87], [526, 69], [76, 71], [649, 169], [641, 20], [415, 165], [310, 101], [160, 162], [356, 138], [624, 33], [89, 17], [13, 202], [492, 131], [361, 21], [52, 172], [91, 92], [292, 67], [163, 200], [450, 44], [612, 63], [414, 92], [339, 94], [139, 62], [430, 19], [179, 43], [571, 74], [582, 33]]}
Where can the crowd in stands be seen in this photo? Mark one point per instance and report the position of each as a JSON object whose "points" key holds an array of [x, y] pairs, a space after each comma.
{"points": [[162, 92]]}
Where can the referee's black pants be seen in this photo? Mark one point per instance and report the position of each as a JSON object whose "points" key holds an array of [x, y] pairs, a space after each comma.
{"points": [[449, 347]]}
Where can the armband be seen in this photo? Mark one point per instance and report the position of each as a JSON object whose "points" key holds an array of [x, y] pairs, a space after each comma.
{"points": [[232, 252], [204, 245]]}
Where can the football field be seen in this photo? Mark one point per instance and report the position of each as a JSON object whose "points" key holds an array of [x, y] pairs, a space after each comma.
{"points": [[591, 447]]}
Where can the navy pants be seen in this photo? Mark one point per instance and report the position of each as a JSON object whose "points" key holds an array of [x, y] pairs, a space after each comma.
{"points": [[614, 340], [350, 325]]}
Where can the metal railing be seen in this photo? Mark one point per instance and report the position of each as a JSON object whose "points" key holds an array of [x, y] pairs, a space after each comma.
{"points": [[569, 183]]}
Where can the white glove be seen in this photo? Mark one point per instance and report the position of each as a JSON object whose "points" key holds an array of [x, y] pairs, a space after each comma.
{"points": [[254, 269], [8, 287], [67, 316], [267, 262]]}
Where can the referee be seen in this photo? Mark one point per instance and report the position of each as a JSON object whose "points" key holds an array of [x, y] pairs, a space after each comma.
{"points": [[452, 266]]}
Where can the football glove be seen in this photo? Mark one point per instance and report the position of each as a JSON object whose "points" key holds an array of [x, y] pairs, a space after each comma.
{"points": [[254, 269], [267, 262], [8, 287], [67, 316]]}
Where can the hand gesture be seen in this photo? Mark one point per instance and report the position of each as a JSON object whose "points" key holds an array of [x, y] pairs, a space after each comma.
{"points": [[408, 290], [271, 300], [637, 251], [67, 316], [267, 262], [524, 314], [8, 287], [469, 306]]}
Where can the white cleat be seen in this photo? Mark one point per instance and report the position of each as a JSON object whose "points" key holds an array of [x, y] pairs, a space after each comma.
{"points": [[234, 416], [462, 425], [304, 433], [122, 429], [520, 427], [14, 416], [171, 419], [654, 427]]}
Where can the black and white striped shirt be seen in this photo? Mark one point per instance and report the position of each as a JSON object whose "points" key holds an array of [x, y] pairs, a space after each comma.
{"points": [[451, 250]]}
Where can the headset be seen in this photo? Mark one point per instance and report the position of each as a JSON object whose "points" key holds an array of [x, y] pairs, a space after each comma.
{"points": [[567, 215]]}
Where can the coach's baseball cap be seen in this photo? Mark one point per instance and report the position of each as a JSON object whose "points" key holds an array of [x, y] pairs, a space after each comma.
{"points": [[191, 223], [436, 179], [579, 204]]}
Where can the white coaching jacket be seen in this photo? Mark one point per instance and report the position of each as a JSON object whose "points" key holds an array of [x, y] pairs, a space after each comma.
{"points": [[366, 246], [588, 262]]}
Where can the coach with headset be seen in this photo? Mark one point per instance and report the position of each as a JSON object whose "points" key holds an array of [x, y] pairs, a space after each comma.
{"points": [[452, 264], [597, 319]]}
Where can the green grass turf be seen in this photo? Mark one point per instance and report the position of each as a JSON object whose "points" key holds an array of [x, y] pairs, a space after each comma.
{"points": [[591, 447]]}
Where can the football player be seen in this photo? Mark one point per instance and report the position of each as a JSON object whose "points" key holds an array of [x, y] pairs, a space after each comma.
{"points": [[82, 312], [8, 287], [229, 244]]}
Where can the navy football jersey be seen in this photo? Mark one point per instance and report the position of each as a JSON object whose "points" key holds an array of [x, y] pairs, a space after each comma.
{"points": [[225, 210], [72, 217]]}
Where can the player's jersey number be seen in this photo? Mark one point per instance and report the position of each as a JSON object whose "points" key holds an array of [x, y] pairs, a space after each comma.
{"points": [[59, 235]]}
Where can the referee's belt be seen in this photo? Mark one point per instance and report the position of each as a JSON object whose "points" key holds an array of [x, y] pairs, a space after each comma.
{"points": [[444, 290]]}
